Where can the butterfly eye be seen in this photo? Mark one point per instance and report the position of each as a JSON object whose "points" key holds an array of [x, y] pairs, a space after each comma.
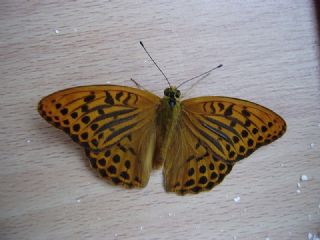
{"points": [[167, 92], [178, 94]]}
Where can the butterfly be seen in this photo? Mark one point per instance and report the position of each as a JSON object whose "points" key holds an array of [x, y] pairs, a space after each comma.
{"points": [[127, 132]]}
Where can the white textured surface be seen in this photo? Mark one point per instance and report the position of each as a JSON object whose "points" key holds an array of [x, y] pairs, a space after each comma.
{"points": [[269, 52]]}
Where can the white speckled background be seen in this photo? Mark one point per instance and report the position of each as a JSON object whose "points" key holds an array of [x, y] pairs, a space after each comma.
{"points": [[270, 54]]}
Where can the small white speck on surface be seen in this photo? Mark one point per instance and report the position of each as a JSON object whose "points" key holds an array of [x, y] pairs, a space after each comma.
{"points": [[319, 206], [313, 236], [267, 238], [236, 199], [298, 185], [304, 178], [57, 31], [234, 237], [298, 191], [108, 82], [311, 145], [171, 214], [141, 228], [78, 200], [282, 164], [28, 141]]}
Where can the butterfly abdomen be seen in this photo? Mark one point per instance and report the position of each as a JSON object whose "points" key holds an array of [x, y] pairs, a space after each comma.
{"points": [[168, 116]]}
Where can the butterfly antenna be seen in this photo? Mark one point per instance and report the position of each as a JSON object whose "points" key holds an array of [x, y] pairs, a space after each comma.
{"points": [[155, 63], [200, 75]]}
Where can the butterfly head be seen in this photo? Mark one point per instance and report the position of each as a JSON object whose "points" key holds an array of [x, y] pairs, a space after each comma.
{"points": [[172, 94]]}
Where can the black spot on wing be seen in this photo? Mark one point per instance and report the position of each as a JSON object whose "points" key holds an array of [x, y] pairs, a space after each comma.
{"points": [[102, 173], [213, 110], [84, 108], [94, 126], [95, 142], [102, 162], [189, 183], [58, 105], [118, 96], [116, 158], [126, 100], [190, 172], [109, 99], [85, 119], [228, 111], [204, 108], [221, 106], [89, 98], [203, 180], [245, 113], [202, 169], [127, 164], [76, 127], [124, 175], [64, 111]]}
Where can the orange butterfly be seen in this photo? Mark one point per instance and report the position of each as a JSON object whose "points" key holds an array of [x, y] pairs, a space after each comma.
{"points": [[126, 132]]}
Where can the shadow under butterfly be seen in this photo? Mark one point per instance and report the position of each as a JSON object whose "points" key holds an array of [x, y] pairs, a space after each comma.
{"points": [[127, 132]]}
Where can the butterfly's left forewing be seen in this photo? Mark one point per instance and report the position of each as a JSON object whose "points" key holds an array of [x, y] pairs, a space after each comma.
{"points": [[114, 124], [216, 132]]}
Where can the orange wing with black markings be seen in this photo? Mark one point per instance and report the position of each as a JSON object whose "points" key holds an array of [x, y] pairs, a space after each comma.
{"points": [[216, 132], [114, 124], [126, 132]]}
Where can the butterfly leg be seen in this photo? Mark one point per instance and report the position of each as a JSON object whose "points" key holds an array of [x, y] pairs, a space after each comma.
{"points": [[138, 85]]}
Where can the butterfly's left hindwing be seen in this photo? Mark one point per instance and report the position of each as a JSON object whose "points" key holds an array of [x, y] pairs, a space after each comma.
{"points": [[114, 124], [216, 132]]}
